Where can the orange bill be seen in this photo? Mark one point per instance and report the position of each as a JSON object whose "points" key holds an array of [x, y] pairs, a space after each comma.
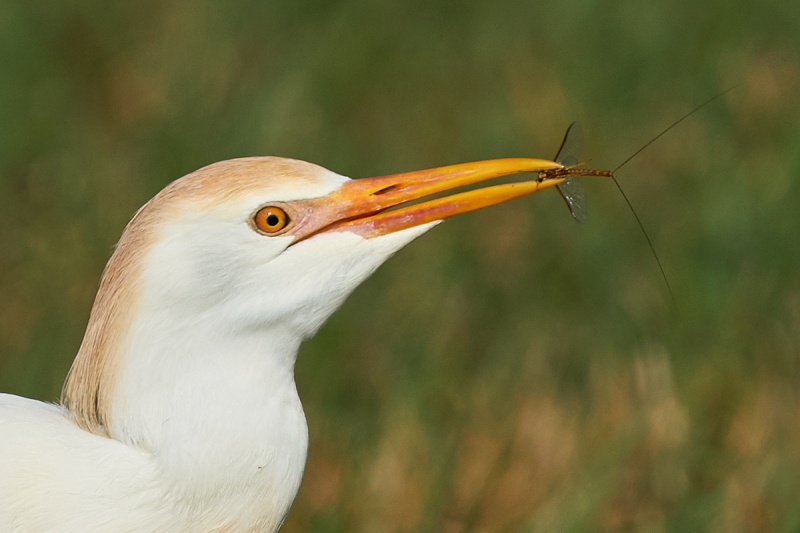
{"points": [[377, 206]]}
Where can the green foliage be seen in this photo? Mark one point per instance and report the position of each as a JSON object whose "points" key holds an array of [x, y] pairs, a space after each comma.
{"points": [[511, 370]]}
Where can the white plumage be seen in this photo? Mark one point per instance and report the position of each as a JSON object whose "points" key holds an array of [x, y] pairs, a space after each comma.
{"points": [[180, 412]]}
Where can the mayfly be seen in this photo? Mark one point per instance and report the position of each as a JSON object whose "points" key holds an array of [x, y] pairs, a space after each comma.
{"points": [[571, 189]]}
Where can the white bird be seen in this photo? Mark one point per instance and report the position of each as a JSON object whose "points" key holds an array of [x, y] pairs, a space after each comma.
{"points": [[180, 412]]}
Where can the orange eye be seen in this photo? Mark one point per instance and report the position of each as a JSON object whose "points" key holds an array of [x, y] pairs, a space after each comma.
{"points": [[271, 219]]}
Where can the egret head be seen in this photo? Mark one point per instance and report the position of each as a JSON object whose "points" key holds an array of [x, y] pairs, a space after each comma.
{"points": [[255, 244]]}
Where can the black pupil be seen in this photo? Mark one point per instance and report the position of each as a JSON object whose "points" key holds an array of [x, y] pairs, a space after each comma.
{"points": [[273, 220]]}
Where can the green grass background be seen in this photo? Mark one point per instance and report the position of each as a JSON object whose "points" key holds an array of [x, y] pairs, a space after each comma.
{"points": [[511, 370]]}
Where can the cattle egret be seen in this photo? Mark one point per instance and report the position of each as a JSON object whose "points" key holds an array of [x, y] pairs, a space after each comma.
{"points": [[180, 412]]}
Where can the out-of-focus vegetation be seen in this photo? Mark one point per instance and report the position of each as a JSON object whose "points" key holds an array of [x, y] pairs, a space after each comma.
{"points": [[511, 370]]}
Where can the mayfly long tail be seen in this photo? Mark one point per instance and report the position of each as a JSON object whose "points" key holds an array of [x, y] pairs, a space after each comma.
{"points": [[649, 242], [684, 117], [627, 201]]}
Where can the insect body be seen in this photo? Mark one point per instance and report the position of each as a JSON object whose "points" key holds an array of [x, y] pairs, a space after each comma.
{"points": [[571, 189]]}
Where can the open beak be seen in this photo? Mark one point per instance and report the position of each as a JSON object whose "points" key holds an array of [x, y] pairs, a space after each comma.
{"points": [[377, 206]]}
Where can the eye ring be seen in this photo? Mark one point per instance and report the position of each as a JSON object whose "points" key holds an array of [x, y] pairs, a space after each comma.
{"points": [[271, 219]]}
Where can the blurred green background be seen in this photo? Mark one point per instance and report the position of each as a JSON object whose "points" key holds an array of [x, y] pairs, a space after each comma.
{"points": [[511, 370]]}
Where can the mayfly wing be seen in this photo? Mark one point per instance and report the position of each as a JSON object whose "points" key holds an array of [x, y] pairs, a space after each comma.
{"points": [[571, 147], [573, 194], [571, 189]]}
